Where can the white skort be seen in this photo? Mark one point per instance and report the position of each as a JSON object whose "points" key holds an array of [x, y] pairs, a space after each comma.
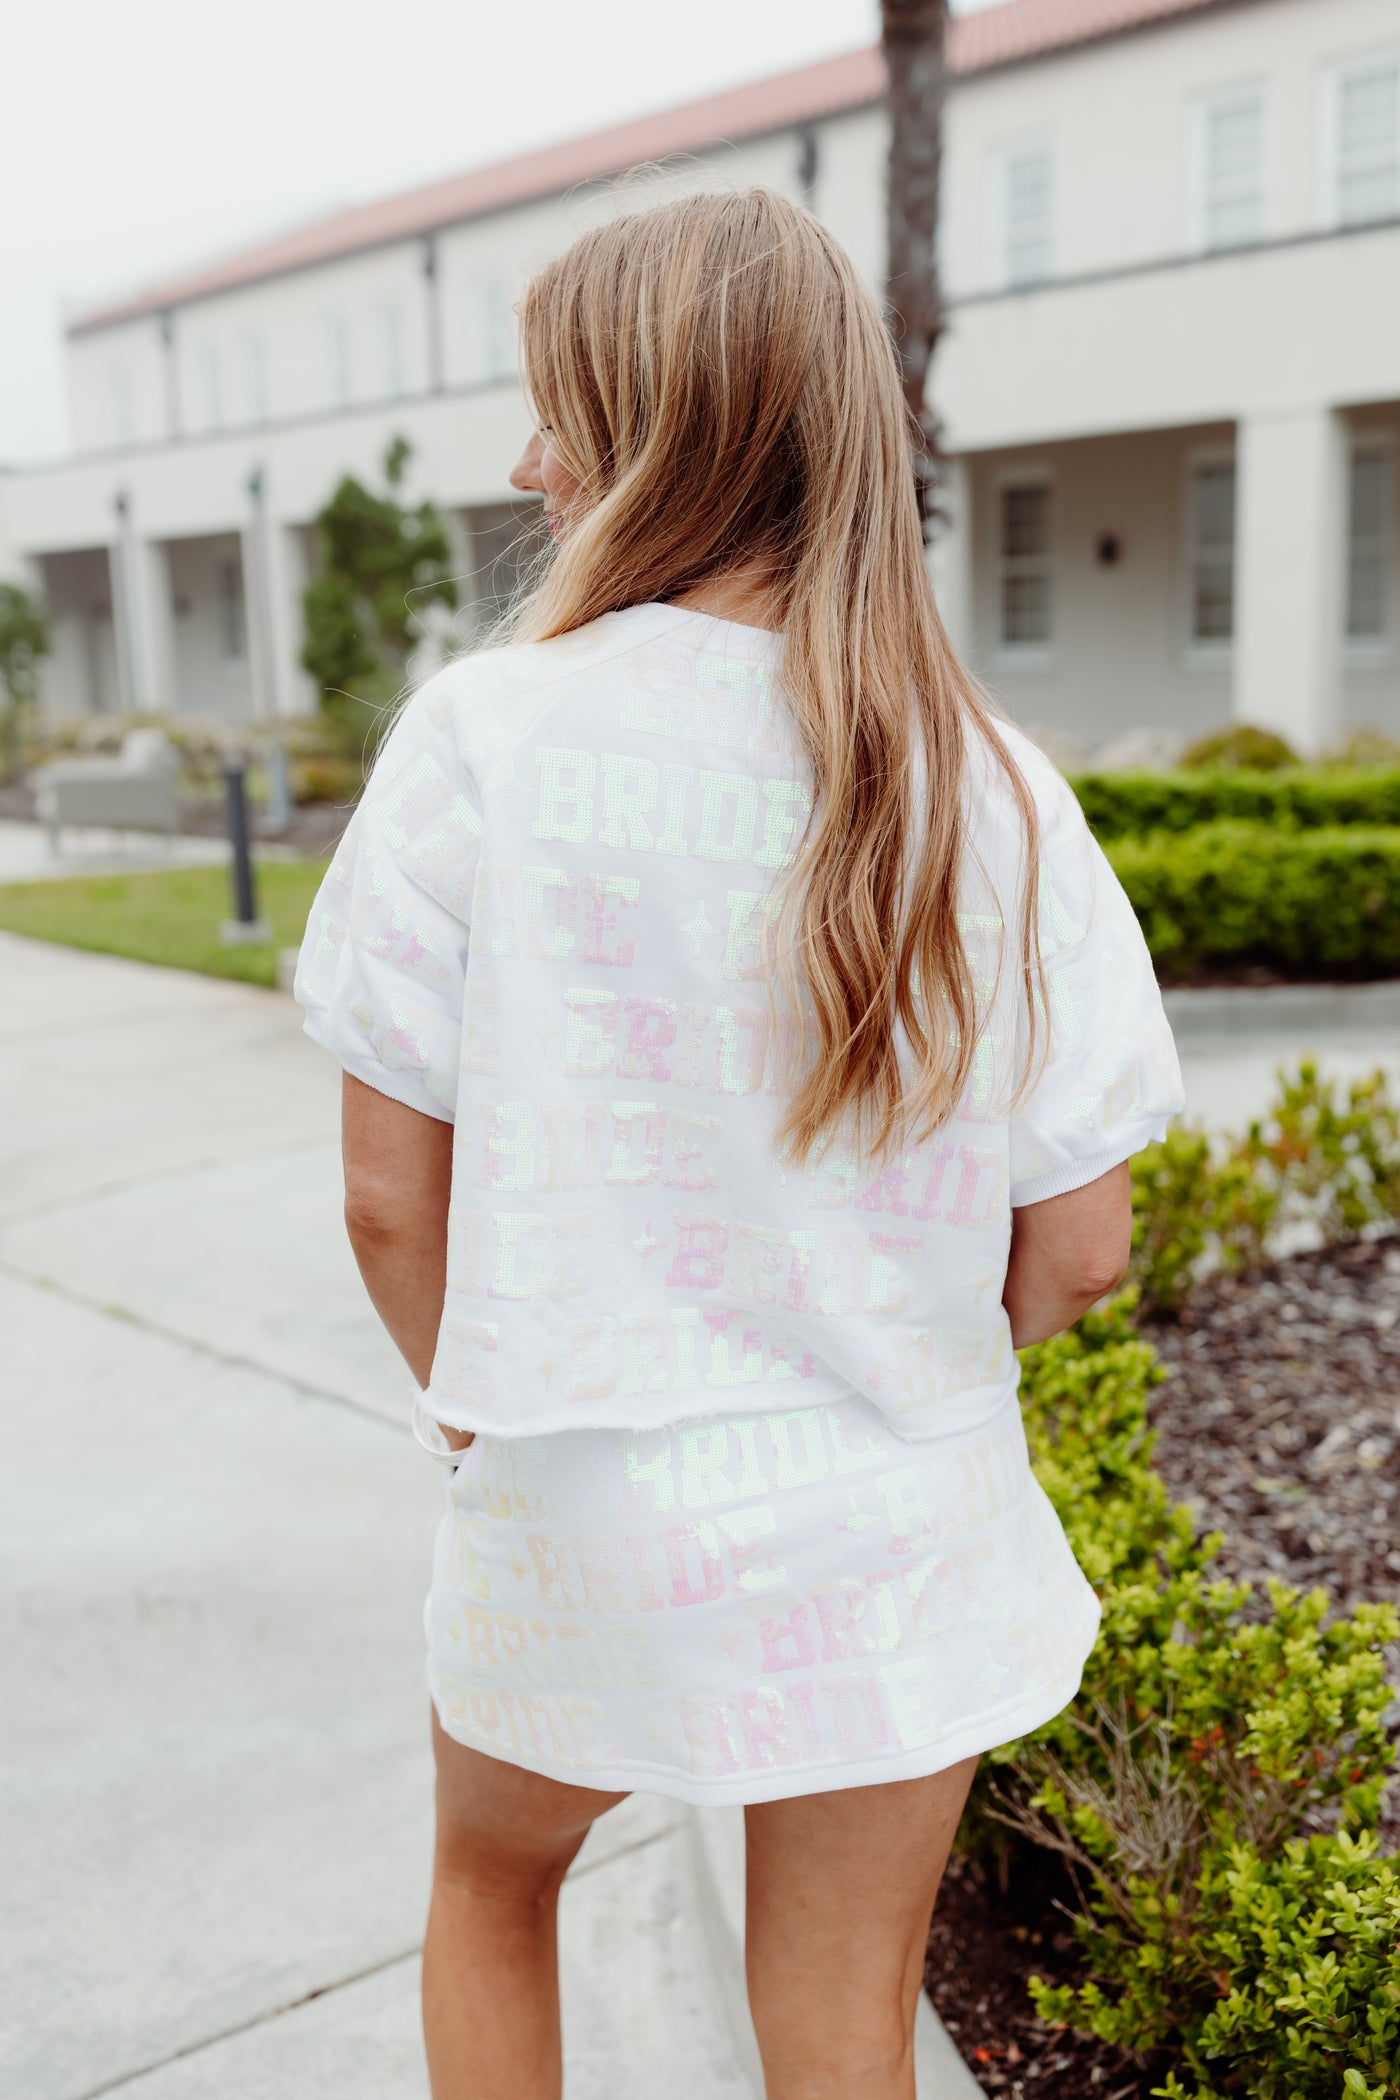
{"points": [[738, 1609]]}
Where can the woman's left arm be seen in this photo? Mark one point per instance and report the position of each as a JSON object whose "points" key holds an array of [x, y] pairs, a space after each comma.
{"points": [[1066, 1253], [398, 1180]]}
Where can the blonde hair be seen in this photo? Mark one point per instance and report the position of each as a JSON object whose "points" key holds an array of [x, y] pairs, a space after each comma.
{"points": [[720, 380]]}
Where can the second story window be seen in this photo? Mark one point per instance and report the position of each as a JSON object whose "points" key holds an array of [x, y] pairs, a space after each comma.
{"points": [[211, 387], [1370, 542], [492, 327], [123, 407], [1026, 581], [1211, 553], [336, 337], [1368, 142], [254, 379], [388, 328], [1027, 214], [1232, 169]]}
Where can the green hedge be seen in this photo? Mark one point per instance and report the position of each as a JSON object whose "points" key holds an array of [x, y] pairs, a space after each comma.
{"points": [[1215, 1786], [1128, 805], [1318, 903]]}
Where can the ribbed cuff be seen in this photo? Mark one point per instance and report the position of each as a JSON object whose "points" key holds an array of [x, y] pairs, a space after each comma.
{"points": [[1060, 1181], [404, 1086]]}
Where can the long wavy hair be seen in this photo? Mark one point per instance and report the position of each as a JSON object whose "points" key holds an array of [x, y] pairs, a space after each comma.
{"points": [[720, 380]]}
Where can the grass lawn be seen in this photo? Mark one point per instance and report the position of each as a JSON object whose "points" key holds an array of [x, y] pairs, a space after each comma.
{"points": [[172, 916]]}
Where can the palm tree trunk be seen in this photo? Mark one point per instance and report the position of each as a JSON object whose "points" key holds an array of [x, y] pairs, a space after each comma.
{"points": [[913, 34]]}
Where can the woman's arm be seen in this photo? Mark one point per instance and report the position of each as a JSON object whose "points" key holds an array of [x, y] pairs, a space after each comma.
{"points": [[1065, 1254], [398, 1178]]}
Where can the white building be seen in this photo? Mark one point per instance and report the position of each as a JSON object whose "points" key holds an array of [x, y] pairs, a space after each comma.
{"points": [[1171, 380]]}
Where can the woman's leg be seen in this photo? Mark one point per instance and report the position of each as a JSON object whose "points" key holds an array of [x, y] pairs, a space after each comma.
{"points": [[841, 1888], [505, 1838]]}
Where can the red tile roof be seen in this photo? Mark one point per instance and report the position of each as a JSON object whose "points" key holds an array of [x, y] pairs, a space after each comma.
{"points": [[1001, 35]]}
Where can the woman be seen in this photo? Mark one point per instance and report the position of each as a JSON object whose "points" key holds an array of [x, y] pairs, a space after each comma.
{"points": [[744, 1043]]}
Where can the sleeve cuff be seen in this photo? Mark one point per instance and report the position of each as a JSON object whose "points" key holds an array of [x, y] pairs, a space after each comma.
{"points": [[1078, 1173], [406, 1087]]}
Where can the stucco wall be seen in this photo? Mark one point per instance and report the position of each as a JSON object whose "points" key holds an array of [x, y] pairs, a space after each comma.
{"points": [[1120, 657]]}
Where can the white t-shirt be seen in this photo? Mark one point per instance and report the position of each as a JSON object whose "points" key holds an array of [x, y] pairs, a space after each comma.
{"points": [[544, 925]]}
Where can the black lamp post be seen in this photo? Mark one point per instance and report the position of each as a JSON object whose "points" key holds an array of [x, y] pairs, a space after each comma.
{"points": [[245, 926]]}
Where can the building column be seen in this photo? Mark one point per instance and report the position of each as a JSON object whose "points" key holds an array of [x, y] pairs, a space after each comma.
{"points": [[950, 556], [286, 576], [1290, 540], [261, 668], [158, 616], [257, 609], [274, 575], [141, 617]]}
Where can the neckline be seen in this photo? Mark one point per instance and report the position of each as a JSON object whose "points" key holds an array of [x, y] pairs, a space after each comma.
{"points": [[733, 632]]}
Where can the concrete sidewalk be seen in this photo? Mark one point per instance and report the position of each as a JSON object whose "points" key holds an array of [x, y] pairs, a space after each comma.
{"points": [[215, 1794]]}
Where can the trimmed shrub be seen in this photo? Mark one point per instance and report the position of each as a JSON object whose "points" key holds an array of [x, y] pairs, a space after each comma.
{"points": [[1309, 1945], [1129, 805], [1318, 904], [1214, 1786], [1241, 745]]}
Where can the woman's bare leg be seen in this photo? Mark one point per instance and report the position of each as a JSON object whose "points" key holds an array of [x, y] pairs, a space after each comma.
{"points": [[841, 1888], [505, 1838]]}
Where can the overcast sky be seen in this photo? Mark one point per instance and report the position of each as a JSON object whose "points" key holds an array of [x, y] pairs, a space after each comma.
{"points": [[142, 136]]}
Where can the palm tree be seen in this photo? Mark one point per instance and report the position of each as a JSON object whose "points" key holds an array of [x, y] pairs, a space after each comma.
{"points": [[913, 36]]}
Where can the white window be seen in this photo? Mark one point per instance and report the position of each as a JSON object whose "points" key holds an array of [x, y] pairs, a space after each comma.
{"points": [[1367, 148], [233, 625], [1025, 564], [1027, 214], [1370, 541], [1210, 527], [211, 387], [1231, 161], [123, 406], [336, 330], [388, 324], [254, 379], [492, 326]]}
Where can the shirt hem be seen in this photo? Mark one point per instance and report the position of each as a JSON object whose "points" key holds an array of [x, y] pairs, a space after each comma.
{"points": [[705, 1403]]}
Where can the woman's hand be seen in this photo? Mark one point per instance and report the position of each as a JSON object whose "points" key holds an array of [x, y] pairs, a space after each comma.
{"points": [[1067, 1253], [398, 1180]]}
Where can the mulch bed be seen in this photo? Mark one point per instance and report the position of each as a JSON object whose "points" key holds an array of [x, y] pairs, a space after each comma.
{"points": [[984, 1944], [1279, 1423]]}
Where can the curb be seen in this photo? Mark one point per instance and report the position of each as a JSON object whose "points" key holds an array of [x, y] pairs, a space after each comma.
{"points": [[1282, 1009]]}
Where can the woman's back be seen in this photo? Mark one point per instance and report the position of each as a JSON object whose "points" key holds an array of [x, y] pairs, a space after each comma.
{"points": [[547, 924]]}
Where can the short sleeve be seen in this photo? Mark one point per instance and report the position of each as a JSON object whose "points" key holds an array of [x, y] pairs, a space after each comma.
{"points": [[1109, 1082], [382, 967]]}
